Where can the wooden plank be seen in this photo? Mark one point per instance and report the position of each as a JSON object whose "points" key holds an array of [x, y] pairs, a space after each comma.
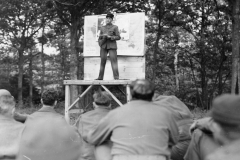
{"points": [[128, 91], [96, 82], [67, 103], [80, 97]]}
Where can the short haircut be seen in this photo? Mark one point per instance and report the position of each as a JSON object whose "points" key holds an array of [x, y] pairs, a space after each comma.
{"points": [[49, 97], [6, 103], [142, 89], [102, 98]]}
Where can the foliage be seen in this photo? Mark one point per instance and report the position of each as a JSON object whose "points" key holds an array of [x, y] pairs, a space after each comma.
{"points": [[12, 84], [188, 43]]}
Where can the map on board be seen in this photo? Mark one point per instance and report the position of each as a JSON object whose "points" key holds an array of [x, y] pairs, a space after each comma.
{"points": [[132, 31]]}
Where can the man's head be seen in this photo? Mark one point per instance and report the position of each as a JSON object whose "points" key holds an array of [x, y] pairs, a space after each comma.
{"points": [[49, 97], [102, 98], [225, 113], [109, 18], [7, 103], [142, 89]]}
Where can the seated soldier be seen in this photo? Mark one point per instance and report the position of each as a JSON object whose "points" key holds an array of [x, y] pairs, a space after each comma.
{"points": [[10, 130], [183, 116], [202, 143], [89, 120], [139, 129], [226, 127], [47, 135]]}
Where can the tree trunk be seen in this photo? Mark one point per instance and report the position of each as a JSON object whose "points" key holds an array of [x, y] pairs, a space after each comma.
{"points": [[43, 69], [176, 69], [30, 80], [20, 76], [235, 47], [74, 58]]}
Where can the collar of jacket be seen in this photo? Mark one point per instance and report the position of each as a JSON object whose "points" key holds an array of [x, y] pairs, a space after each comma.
{"points": [[110, 24], [99, 107], [47, 109]]}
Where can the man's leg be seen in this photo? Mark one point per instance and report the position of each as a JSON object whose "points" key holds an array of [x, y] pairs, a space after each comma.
{"points": [[103, 56], [114, 62]]}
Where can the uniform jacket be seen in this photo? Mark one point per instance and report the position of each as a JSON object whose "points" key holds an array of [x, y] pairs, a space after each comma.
{"points": [[181, 114], [228, 152], [47, 136], [109, 43], [201, 146], [87, 122], [10, 131], [137, 128]]}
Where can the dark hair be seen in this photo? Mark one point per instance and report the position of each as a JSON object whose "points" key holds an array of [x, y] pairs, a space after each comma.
{"points": [[102, 98], [49, 97], [142, 89]]}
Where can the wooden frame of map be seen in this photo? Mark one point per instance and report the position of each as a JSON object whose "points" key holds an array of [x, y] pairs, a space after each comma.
{"points": [[132, 31]]}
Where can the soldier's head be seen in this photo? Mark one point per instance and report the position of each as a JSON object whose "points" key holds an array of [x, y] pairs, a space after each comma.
{"points": [[7, 103], [142, 89], [109, 18], [226, 120], [49, 97], [102, 98]]}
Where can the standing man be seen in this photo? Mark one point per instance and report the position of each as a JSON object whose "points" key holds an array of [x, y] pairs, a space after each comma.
{"points": [[107, 42], [139, 129]]}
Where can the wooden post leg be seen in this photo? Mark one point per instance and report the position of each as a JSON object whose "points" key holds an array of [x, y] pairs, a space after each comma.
{"points": [[67, 103], [129, 96]]}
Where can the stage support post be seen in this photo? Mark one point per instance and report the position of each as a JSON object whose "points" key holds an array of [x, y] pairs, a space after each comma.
{"points": [[67, 103]]}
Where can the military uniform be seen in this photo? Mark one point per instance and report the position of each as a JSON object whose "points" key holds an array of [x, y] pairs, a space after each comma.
{"points": [[47, 136], [137, 128], [109, 45], [87, 122], [227, 152], [201, 145], [184, 119], [10, 132]]}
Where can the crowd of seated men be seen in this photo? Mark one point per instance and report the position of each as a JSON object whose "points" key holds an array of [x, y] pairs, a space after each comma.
{"points": [[149, 127]]}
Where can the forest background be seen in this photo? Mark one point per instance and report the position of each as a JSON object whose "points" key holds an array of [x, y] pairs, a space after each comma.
{"points": [[192, 46]]}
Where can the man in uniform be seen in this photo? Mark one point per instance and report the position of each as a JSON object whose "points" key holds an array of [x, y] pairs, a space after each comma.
{"points": [[89, 121], [10, 130], [202, 143], [47, 135], [183, 116], [107, 42], [139, 129], [226, 127]]}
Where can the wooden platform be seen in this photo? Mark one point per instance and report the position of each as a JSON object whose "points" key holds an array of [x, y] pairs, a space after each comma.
{"points": [[97, 82], [92, 83]]}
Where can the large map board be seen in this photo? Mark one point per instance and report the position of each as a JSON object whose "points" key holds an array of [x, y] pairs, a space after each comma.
{"points": [[132, 32]]}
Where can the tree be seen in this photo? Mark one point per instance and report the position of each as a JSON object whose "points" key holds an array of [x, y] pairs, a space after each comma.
{"points": [[235, 5], [19, 23]]}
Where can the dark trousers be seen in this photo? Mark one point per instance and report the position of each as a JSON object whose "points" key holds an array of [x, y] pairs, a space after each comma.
{"points": [[113, 59]]}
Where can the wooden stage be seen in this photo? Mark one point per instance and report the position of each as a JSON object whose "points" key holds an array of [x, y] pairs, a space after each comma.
{"points": [[90, 84]]}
